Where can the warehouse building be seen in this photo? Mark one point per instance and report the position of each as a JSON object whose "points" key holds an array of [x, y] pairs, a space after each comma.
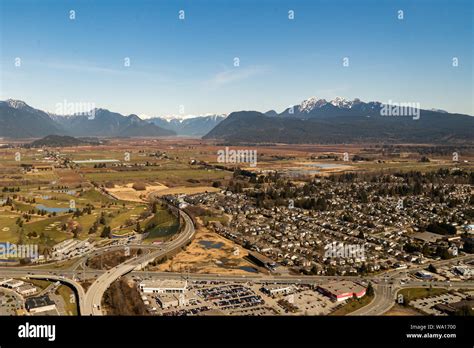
{"points": [[342, 290], [278, 289], [39, 304]]}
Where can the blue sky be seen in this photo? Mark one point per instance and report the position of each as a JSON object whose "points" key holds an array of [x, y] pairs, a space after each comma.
{"points": [[188, 65]]}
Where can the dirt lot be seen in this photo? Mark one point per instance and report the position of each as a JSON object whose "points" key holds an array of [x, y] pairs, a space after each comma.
{"points": [[208, 253], [128, 193], [398, 310]]}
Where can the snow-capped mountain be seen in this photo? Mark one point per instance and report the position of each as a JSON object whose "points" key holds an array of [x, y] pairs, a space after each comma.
{"points": [[19, 120], [343, 121], [319, 107], [194, 126], [17, 104], [310, 104]]}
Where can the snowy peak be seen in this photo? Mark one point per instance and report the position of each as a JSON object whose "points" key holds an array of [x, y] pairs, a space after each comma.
{"points": [[312, 103], [341, 102], [17, 104]]}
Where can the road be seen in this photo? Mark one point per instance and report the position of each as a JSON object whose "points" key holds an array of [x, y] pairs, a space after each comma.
{"points": [[93, 298], [385, 284], [385, 294]]}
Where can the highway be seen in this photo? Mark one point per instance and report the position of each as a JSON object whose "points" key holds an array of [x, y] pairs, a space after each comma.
{"points": [[385, 294], [385, 284], [93, 298]]}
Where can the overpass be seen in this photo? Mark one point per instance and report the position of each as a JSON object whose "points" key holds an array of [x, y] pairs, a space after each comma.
{"points": [[96, 291]]}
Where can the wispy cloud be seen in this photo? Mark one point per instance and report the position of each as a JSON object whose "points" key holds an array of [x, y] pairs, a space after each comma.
{"points": [[83, 67], [235, 74]]}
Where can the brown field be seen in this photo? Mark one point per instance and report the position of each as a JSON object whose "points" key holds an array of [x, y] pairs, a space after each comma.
{"points": [[128, 193], [398, 310], [200, 259]]}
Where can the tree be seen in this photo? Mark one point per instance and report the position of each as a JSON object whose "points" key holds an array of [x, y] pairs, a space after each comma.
{"points": [[370, 290], [106, 232]]}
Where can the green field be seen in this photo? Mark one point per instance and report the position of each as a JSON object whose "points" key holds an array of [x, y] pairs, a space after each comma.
{"points": [[69, 299], [166, 224], [352, 305], [416, 293], [175, 176]]}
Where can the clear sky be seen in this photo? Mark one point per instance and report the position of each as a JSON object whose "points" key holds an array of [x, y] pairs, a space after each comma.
{"points": [[188, 65]]}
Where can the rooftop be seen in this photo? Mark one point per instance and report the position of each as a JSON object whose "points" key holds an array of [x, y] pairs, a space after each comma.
{"points": [[39, 301], [342, 287], [164, 283]]}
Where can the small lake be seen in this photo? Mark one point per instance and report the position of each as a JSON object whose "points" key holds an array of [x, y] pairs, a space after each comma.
{"points": [[325, 165], [211, 245], [52, 210]]}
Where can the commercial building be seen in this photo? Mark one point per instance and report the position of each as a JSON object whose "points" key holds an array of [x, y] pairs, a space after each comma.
{"points": [[342, 290], [4, 281], [424, 275], [277, 289], [171, 300], [26, 290], [13, 283], [39, 304], [68, 246], [163, 286]]}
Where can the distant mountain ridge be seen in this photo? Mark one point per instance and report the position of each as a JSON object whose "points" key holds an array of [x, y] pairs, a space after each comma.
{"points": [[105, 123], [19, 120], [195, 126], [343, 121], [314, 120]]}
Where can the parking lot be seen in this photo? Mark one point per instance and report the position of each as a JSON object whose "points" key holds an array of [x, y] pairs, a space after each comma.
{"points": [[426, 305]]}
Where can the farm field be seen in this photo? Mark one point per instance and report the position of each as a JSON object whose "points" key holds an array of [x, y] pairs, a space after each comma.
{"points": [[48, 195]]}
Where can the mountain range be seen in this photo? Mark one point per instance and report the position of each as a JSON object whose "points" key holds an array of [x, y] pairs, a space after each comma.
{"points": [[19, 120], [312, 121], [195, 126], [344, 121]]}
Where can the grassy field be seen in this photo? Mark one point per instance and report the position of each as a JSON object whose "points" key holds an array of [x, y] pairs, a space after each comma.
{"points": [[70, 303], [8, 227], [416, 293], [166, 224], [167, 176], [352, 305], [52, 228], [39, 283]]}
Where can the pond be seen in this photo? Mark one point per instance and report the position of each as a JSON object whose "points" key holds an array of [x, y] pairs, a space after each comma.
{"points": [[52, 209], [325, 165], [207, 244]]}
